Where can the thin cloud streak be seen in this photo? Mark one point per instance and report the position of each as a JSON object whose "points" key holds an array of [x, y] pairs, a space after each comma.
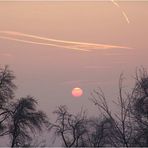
{"points": [[84, 82], [97, 67], [40, 43], [78, 45]]}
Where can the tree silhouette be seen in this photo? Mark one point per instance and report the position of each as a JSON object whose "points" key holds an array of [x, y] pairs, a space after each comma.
{"points": [[7, 88], [122, 125], [25, 119], [128, 127], [18, 119], [79, 131], [100, 131], [70, 127], [7, 85], [140, 108]]}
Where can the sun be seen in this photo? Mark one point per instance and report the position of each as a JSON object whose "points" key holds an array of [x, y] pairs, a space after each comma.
{"points": [[77, 92]]}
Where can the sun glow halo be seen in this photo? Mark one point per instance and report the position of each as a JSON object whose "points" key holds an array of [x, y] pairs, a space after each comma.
{"points": [[77, 92]]}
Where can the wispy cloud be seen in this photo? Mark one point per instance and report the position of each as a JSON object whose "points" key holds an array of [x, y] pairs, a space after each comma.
{"points": [[41, 43], [6, 54], [82, 46]]}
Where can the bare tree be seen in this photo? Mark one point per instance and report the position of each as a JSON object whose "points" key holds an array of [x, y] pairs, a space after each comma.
{"points": [[121, 121], [70, 127]]}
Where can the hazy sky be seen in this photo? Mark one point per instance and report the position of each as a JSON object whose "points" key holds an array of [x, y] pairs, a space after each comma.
{"points": [[49, 73]]}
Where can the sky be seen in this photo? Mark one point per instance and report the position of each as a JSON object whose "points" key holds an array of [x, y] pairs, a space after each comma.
{"points": [[50, 72]]}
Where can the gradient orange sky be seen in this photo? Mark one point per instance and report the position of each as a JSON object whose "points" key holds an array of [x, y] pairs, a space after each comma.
{"points": [[50, 73]]}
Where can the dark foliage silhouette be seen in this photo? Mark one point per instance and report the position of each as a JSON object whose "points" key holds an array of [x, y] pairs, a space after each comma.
{"points": [[18, 118], [25, 119], [140, 108], [7, 88]]}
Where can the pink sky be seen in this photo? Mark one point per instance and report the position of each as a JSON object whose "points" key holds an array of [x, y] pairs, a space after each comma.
{"points": [[50, 73]]}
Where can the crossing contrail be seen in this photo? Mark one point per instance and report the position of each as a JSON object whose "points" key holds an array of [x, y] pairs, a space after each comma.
{"points": [[123, 12], [84, 46]]}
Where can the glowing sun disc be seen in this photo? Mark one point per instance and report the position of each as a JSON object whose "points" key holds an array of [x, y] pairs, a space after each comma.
{"points": [[77, 92]]}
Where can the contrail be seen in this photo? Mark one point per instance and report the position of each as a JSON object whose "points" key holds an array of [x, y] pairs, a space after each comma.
{"points": [[80, 45], [123, 12], [40, 43]]}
